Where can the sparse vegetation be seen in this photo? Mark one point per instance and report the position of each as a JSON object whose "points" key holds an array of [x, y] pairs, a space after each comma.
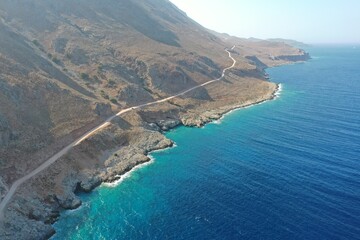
{"points": [[84, 76], [100, 68], [111, 83], [148, 90], [96, 78], [56, 60], [36, 43], [104, 95]]}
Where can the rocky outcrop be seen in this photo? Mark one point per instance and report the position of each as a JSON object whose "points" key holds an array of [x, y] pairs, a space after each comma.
{"points": [[70, 201], [301, 56], [127, 157], [161, 120], [168, 124], [88, 182], [196, 120]]}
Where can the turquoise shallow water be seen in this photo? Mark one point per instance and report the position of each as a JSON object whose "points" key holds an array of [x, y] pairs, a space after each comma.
{"points": [[285, 169]]}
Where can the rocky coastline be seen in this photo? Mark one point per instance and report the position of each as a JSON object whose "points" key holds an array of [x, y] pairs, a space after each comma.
{"points": [[168, 126], [118, 161], [207, 118], [87, 185]]}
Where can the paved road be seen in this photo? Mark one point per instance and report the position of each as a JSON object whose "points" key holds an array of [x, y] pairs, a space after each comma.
{"points": [[65, 150]]}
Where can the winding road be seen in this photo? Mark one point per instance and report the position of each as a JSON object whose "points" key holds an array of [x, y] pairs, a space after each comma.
{"points": [[65, 150]]}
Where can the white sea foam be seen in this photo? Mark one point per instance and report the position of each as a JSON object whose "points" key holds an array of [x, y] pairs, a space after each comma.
{"points": [[279, 90], [128, 174], [276, 95], [163, 149], [216, 121]]}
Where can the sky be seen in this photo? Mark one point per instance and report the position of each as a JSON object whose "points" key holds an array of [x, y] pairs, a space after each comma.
{"points": [[309, 21]]}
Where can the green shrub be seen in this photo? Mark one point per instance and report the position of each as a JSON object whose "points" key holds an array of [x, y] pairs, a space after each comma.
{"points": [[36, 43], [111, 83], [84, 76], [96, 79], [114, 101], [56, 60], [104, 95]]}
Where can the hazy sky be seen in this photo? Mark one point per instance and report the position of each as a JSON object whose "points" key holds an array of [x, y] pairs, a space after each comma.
{"points": [[311, 21]]}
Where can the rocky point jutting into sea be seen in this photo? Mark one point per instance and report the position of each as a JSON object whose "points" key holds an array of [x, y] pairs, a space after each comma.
{"points": [[66, 67]]}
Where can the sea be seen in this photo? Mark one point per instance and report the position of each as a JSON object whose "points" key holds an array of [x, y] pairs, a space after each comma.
{"points": [[285, 169]]}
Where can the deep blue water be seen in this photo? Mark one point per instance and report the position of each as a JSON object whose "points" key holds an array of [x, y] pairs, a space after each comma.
{"points": [[285, 169]]}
